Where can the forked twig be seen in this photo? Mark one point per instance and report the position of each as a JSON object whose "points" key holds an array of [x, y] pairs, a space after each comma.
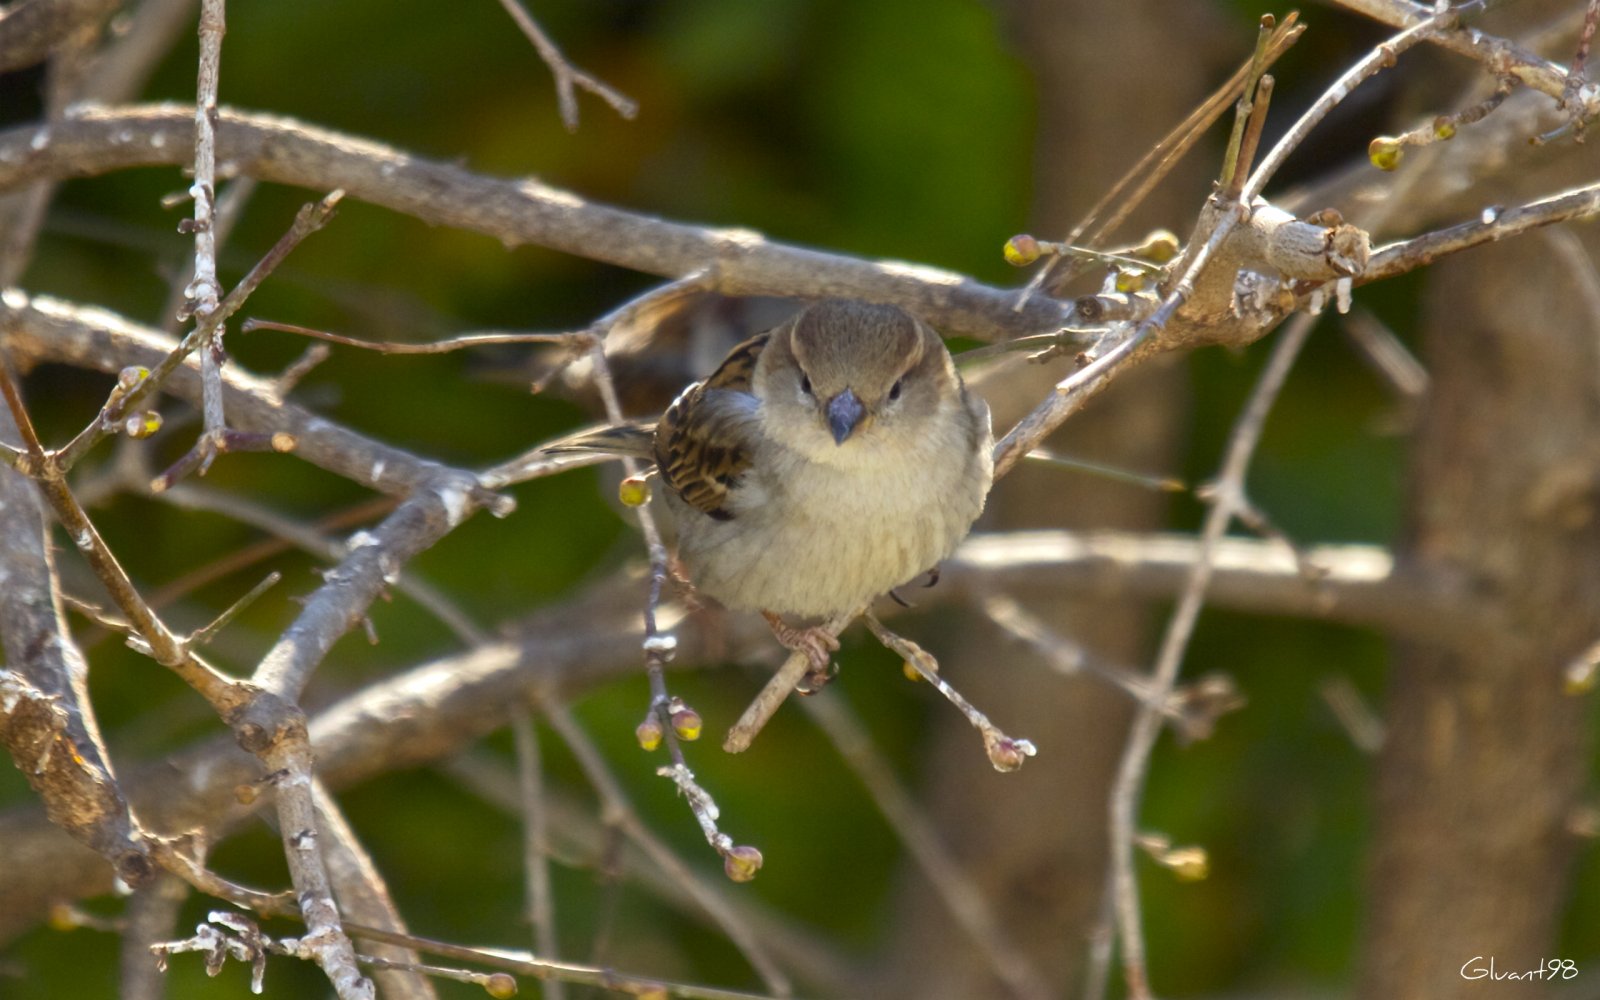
{"points": [[567, 76], [1006, 753]]}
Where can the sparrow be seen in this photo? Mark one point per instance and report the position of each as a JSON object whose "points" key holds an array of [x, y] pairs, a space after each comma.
{"points": [[822, 464]]}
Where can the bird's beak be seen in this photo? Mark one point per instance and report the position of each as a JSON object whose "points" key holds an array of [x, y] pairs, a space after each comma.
{"points": [[844, 415]]}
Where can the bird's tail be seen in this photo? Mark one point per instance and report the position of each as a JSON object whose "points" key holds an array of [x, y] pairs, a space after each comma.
{"points": [[631, 440]]}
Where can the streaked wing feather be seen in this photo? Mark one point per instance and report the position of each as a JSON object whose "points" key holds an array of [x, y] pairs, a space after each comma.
{"points": [[701, 444]]}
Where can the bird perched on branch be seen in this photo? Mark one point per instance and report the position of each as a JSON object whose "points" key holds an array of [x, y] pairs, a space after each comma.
{"points": [[823, 463]]}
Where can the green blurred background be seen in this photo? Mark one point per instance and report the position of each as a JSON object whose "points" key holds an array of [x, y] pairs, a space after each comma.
{"points": [[897, 128]]}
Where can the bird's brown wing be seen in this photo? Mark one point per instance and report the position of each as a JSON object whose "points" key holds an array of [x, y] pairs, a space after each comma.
{"points": [[702, 444]]}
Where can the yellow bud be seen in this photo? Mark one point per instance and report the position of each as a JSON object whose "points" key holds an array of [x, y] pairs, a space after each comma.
{"points": [[1129, 279], [1444, 128], [1007, 753], [1022, 250], [653, 992], [62, 918], [649, 732], [1189, 864], [142, 425], [1385, 152], [634, 491], [741, 863], [687, 724], [1159, 247], [910, 670], [500, 985]]}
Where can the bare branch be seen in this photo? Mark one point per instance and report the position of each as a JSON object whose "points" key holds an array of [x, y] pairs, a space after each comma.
{"points": [[364, 897], [204, 293], [1494, 224], [585, 975], [1501, 57], [121, 70], [151, 916], [512, 211], [621, 812], [46, 719], [536, 843], [567, 75], [40, 328], [1380, 58]]}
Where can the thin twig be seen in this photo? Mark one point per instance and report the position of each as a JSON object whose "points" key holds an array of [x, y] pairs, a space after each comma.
{"points": [[1129, 782], [1498, 55], [926, 844], [1380, 58], [1006, 753], [536, 844], [567, 75], [230, 204], [619, 811], [778, 688], [445, 346], [1073, 392], [203, 636], [309, 219], [161, 643], [741, 862], [1494, 224], [583, 975], [1133, 187]]}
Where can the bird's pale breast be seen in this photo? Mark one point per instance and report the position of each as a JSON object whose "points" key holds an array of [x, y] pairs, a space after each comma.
{"points": [[832, 538]]}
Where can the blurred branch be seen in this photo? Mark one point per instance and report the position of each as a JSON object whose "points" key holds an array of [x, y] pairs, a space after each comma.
{"points": [[151, 916], [31, 29], [121, 69], [535, 814], [1227, 499], [581, 841], [434, 709], [620, 811], [926, 844]]}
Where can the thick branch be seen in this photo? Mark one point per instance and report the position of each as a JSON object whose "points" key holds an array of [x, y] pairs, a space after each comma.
{"points": [[512, 211], [46, 720]]}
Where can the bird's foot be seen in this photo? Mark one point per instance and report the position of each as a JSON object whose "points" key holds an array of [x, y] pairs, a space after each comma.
{"points": [[815, 641]]}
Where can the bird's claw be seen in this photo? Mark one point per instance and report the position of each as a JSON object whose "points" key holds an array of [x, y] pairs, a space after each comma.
{"points": [[815, 641]]}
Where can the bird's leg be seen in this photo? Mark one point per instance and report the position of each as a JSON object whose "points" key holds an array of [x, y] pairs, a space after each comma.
{"points": [[815, 641]]}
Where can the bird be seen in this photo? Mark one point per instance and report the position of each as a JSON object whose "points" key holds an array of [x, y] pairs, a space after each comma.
{"points": [[822, 464]]}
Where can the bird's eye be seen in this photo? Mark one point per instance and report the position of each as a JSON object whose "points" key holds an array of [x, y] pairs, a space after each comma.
{"points": [[894, 390], [805, 384]]}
